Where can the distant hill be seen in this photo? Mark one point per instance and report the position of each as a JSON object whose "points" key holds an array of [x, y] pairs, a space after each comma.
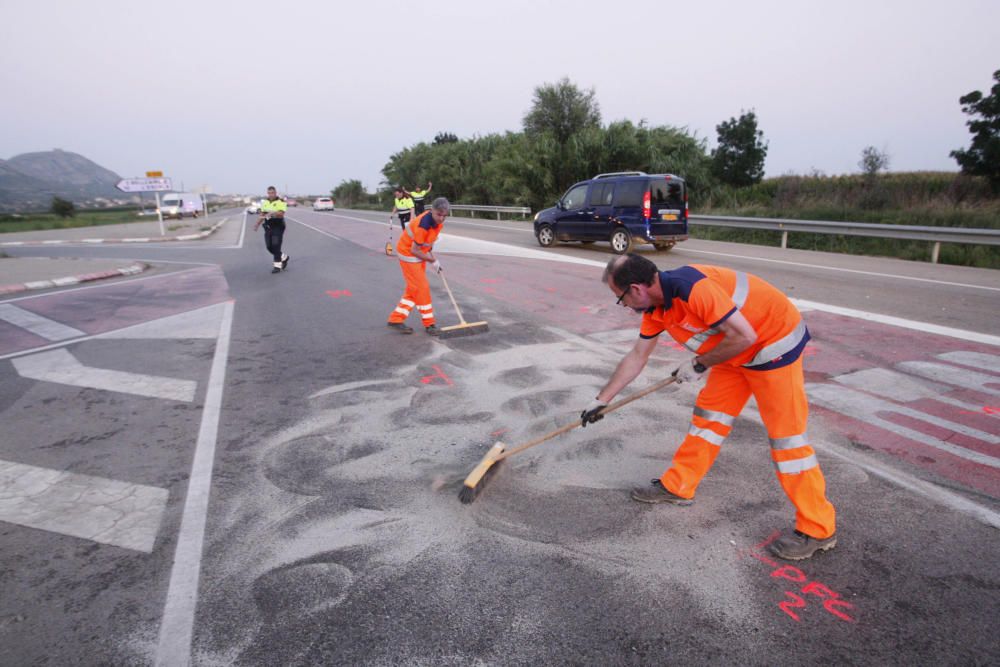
{"points": [[30, 180]]}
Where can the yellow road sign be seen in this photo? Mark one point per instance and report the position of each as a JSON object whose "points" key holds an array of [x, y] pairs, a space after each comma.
{"points": [[154, 174]]}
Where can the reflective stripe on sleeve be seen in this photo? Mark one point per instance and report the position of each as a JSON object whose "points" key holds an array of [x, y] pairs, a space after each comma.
{"points": [[742, 289], [409, 232], [796, 466]]}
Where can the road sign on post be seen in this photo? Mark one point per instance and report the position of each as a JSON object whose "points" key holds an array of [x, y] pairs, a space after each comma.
{"points": [[144, 185], [156, 185]]}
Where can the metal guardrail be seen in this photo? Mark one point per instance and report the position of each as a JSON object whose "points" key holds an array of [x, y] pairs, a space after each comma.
{"points": [[519, 210], [935, 235]]}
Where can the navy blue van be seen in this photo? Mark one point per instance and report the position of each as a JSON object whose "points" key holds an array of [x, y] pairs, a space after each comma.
{"points": [[623, 208]]}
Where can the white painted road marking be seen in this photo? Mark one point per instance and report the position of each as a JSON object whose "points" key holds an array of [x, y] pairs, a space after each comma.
{"points": [[93, 508], [868, 409], [177, 626], [199, 323], [61, 367], [36, 324]]}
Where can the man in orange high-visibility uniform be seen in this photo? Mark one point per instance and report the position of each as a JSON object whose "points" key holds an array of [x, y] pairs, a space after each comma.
{"points": [[748, 340], [415, 249]]}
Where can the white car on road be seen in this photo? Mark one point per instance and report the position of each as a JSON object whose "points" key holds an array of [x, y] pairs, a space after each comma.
{"points": [[323, 204]]}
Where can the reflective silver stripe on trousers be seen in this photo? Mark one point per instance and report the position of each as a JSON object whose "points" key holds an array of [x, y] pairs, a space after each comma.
{"points": [[740, 292], [791, 442], [779, 347], [712, 415], [797, 465], [706, 434], [411, 260]]}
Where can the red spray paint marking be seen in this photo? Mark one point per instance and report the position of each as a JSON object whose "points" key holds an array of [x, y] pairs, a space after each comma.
{"points": [[500, 431], [831, 600], [986, 409], [337, 293], [491, 281], [440, 375]]}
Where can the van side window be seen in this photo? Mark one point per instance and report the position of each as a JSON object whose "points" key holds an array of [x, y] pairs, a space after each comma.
{"points": [[574, 198], [601, 194], [629, 193]]}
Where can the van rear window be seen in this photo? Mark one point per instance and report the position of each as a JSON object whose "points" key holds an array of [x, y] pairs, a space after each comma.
{"points": [[629, 193], [666, 193]]}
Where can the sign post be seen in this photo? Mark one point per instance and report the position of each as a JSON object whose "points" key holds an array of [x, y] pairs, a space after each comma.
{"points": [[156, 184]]}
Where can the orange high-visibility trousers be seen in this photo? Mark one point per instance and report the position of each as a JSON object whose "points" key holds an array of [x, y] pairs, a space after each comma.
{"points": [[781, 399], [417, 293]]}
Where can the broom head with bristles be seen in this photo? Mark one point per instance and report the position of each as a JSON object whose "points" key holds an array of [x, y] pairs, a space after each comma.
{"points": [[463, 329], [481, 474]]}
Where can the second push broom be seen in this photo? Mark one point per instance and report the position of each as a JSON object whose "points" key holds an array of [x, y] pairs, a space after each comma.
{"points": [[481, 474], [464, 328]]}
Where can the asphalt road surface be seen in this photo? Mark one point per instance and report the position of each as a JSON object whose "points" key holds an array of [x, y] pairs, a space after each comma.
{"points": [[211, 464]]}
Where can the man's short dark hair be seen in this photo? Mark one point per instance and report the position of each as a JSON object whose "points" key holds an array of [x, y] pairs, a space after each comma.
{"points": [[632, 269], [271, 187]]}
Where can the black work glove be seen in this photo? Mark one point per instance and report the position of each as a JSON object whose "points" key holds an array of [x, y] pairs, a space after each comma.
{"points": [[593, 413]]}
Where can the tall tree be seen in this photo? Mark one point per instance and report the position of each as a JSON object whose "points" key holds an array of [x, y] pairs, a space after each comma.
{"points": [[873, 161], [562, 110], [62, 207], [739, 158], [349, 193], [445, 138], [982, 158]]}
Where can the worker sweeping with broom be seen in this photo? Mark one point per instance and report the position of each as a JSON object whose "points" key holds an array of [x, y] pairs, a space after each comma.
{"points": [[748, 340], [414, 250]]}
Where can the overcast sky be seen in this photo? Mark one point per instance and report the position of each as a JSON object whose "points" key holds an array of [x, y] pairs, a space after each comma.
{"points": [[238, 95]]}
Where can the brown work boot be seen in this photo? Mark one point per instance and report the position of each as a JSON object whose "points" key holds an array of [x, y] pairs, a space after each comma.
{"points": [[656, 493], [797, 545], [432, 330], [400, 327]]}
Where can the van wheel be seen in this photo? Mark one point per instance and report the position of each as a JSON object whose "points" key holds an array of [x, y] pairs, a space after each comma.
{"points": [[545, 236], [621, 241], [666, 245]]}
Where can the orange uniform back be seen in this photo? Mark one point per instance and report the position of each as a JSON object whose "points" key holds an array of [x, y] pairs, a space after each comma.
{"points": [[699, 297], [422, 231]]}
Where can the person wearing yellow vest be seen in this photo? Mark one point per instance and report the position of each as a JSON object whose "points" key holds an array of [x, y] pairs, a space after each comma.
{"points": [[747, 338], [272, 216], [418, 196], [403, 206], [415, 249]]}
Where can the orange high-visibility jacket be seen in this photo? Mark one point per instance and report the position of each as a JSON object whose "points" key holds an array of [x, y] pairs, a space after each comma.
{"points": [[422, 231], [698, 298]]}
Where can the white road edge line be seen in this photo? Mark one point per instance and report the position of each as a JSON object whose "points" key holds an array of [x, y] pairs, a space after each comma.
{"points": [[924, 327], [177, 625]]}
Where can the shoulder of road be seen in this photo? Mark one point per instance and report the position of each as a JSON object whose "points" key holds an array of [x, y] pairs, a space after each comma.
{"points": [[20, 274]]}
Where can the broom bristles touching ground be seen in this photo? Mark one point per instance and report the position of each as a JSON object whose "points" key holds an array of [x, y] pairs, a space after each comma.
{"points": [[481, 474], [464, 330]]}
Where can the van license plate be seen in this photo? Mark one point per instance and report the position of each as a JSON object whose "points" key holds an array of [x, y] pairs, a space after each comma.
{"points": [[669, 216]]}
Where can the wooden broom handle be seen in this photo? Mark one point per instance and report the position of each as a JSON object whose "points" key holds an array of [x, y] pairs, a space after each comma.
{"points": [[569, 427], [452, 297]]}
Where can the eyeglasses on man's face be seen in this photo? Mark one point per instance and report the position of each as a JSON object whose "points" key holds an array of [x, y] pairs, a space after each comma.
{"points": [[620, 301]]}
